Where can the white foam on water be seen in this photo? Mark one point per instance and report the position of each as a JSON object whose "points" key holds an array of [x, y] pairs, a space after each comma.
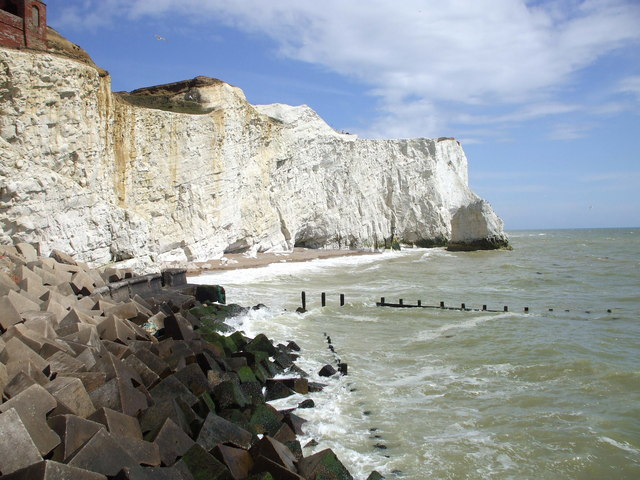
{"points": [[621, 445], [472, 322]]}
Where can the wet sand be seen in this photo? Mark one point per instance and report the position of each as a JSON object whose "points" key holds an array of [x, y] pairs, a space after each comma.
{"points": [[234, 261]]}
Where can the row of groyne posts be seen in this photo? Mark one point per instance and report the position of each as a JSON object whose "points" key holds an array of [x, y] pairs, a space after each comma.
{"points": [[400, 304]]}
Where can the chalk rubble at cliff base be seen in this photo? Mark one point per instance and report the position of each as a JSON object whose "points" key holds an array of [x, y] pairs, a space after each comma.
{"points": [[104, 374]]}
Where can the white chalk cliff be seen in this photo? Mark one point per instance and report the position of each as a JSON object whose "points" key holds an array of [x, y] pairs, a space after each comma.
{"points": [[83, 171]]}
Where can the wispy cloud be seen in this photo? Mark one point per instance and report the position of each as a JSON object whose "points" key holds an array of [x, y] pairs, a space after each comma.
{"points": [[431, 64]]}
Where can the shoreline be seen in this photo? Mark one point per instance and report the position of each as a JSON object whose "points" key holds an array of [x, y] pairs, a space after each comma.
{"points": [[238, 261]]}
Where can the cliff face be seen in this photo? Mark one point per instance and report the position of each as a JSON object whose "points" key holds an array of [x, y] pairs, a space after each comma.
{"points": [[84, 171]]}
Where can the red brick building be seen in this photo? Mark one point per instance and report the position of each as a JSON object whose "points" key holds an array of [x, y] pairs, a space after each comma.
{"points": [[23, 23]]}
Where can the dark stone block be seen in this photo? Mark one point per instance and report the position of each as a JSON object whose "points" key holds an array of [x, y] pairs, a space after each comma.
{"points": [[308, 403], [266, 420], [74, 432], [71, 396], [323, 465], [277, 471], [148, 376], [293, 346], [171, 388], [172, 442], [298, 385], [152, 473], [284, 434], [32, 405], [145, 453], [275, 451], [253, 391], [238, 461], [178, 328], [175, 409], [261, 343], [15, 438], [51, 470], [228, 394], [154, 362], [174, 277], [276, 389], [295, 422], [327, 371], [193, 378], [217, 430], [102, 454], [204, 466], [210, 293], [117, 423]]}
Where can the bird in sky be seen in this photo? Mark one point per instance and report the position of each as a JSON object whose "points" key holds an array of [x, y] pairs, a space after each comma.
{"points": [[158, 37]]}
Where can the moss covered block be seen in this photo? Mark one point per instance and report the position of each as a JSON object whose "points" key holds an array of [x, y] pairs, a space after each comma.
{"points": [[266, 420], [246, 374], [323, 465], [204, 466], [262, 344]]}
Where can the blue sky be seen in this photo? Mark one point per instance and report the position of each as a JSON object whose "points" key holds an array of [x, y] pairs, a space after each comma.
{"points": [[544, 95]]}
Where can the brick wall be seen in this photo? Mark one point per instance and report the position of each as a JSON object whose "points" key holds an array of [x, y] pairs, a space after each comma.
{"points": [[28, 28]]}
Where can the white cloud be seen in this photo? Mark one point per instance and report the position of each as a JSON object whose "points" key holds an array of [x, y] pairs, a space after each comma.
{"points": [[427, 60]]}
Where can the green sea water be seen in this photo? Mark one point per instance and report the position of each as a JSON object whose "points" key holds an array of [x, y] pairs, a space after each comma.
{"points": [[448, 394]]}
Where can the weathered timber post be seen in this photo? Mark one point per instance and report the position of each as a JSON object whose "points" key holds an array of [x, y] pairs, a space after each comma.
{"points": [[304, 300], [342, 299], [323, 299]]}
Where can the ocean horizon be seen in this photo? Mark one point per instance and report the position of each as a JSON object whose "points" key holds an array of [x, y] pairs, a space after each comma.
{"points": [[548, 393]]}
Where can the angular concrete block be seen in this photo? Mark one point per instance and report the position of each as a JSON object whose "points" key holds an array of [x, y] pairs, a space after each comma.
{"points": [[51, 470], [18, 383], [178, 328], [9, 315], [145, 453], [154, 362], [193, 378], [33, 287], [90, 380], [32, 405], [63, 258], [116, 330], [237, 460], [273, 470], [4, 378], [102, 454], [22, 302], [117, 423], [17, 449], [172, 442], [275, 451], [119, 394], [7, 283], [204, 466], [74, 432], [71, 396], [149, 377], [323, 464], [171, 388], [217, 430], [61, 362], [17, 351], [122, 310]]}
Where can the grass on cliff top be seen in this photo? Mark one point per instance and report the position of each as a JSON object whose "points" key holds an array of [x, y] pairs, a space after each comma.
{"points": [[165, 103]]}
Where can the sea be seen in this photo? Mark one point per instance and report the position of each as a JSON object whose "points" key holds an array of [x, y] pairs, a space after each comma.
{"points": [[446, 393]]}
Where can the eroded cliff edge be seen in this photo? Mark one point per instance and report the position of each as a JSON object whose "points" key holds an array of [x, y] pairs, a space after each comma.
{"points": [[86, 171]]}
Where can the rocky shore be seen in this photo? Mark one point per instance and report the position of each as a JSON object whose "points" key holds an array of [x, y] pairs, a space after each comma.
{"points": [[108, 375]]}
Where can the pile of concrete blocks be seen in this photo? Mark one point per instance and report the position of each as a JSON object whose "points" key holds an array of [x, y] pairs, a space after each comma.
{"points": [[107, 375]]}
